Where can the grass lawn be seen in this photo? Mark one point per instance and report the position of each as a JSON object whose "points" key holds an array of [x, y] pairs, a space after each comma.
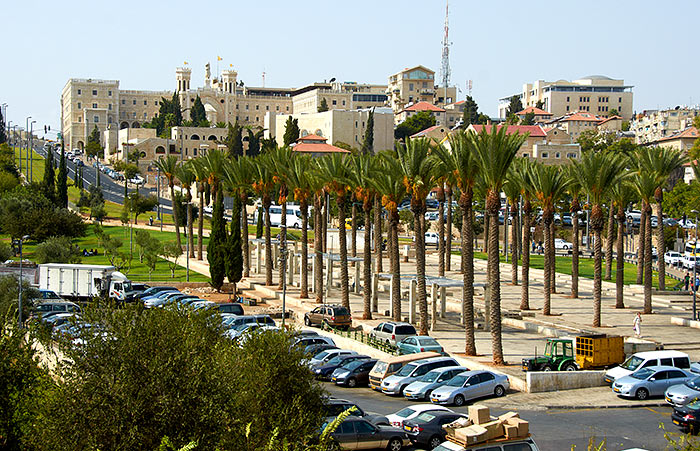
{"points": [[563, 266], [137, 271]]}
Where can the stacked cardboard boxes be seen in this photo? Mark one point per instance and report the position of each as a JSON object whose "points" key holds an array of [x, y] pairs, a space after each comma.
{"points": [[482, 427]]}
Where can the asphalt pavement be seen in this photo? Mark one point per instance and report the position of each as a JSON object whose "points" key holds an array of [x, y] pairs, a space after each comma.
{"points": [[553, 429]]}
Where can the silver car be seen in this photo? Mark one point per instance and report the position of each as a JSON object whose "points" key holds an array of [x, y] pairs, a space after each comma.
{"points": [[392, 332], [423, 387], [649, 381], [470, 385], [681, 394], [324, 356], [411, 372]]}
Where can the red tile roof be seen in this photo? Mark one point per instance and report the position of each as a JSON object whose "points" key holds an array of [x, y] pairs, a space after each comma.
{"points": [[583, 117], [317, 148], [612, 118], [688, 133], [312, 138], [424, 106], [535, 131], [426, 131], [532, 109]]}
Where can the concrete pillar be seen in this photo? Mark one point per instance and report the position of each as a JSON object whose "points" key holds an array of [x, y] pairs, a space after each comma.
{"points": [[275, 255], [313, 279], [375, 293], [412, 302], [249, 251], [258, 257], [391, 296], [433, 306], [357, 278], [290, 269], [443, 301]]}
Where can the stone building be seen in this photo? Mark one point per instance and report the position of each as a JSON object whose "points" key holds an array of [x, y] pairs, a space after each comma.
{"points": [[653, 125], [417, 84]]}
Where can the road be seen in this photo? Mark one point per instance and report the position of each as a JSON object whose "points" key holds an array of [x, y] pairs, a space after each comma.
{"points": [[554, 430]]}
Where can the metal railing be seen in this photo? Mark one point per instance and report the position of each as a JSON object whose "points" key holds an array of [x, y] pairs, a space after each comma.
{"points": [[362, 337]]}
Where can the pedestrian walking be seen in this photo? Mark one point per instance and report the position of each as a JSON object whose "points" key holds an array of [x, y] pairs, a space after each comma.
{"points": [[637, 325], [686, 280], [150, 220]]}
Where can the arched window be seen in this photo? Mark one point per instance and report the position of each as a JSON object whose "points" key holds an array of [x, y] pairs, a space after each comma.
{"points": [[194, 137], [160, 149], [212, 138], [136, 125], [123, 125]]}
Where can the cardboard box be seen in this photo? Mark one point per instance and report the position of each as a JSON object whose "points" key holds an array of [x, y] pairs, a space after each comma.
{"points": [[471, 435], [510, 431], [522, 425], [508, 415], [494, 429], [479, 414], [458, 423]]}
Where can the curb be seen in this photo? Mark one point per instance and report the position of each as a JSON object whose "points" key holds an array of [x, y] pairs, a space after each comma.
{"points": [[607, 406]]}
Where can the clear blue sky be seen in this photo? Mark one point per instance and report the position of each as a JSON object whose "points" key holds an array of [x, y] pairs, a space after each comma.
{"points": [[499, 45]]}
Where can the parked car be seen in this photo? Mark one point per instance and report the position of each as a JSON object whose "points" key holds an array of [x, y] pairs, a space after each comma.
{"points": [[48, 295], [422, 388], [358, 433], [419, 343], [48, 308], [313, 340], [159, 299], [233, 308], [525, 444], [324, 371], [673, 258], [325, 356], [137, 180], [687, 417], [681, 394], [159, 294], [354, 373], [670, 222], [334, 407], [649, 381], [432, 204], [387, 367], [470, 385], [393, 332], [410, 412], [425, 430], [333, 315], [562, 244], [688, 261], [316, 348], [432, 238], [646, 359], [397, 382]]}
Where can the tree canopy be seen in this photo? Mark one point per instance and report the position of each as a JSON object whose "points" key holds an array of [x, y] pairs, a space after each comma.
{"points": [[291, 131], [414, 124], [198, 115]]}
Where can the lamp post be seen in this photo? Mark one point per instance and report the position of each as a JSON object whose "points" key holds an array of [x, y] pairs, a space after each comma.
{"points": [[695, 246], [283, 262], [9, 137], [20, 279], [26, 129], [30, 151]]}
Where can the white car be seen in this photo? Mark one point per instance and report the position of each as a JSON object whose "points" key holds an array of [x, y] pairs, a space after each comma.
{"points": [[410, 412], [432, 238], [673, 258], [689, 260], [137, 180], [562, 244], [687, 224]]}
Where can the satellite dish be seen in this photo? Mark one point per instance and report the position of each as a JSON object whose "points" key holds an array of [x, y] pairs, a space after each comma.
{"points": [[332, 80]]}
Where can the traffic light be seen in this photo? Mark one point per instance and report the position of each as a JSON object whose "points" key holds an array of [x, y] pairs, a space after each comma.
{"points": [[49, 128], [44, 129]]}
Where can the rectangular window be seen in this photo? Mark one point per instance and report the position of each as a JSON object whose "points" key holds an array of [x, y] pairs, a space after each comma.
{"points": [[257, 107], [545, 154], [335, 102], [134, 101], [257, 119], [80, 119], [109, 120], [277, 108], [96, 119], [80, 106], [109, 107], [567, 108], [410, 86], [123, 101], [109, 93], [145, 102], [246, 118], [567, 99], [236, 106], [287, 108], [267, 107], [94, 92], [94, 105], [557, 155], [620, 101], [246, 107], [80, 91], [343, 102]]}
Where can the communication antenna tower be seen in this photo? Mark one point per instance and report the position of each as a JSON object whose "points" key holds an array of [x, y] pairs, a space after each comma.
{"points": [[446, 51]]}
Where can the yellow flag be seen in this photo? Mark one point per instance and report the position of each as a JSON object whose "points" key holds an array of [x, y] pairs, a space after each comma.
{"points": [[219, 58], [186, 62]]}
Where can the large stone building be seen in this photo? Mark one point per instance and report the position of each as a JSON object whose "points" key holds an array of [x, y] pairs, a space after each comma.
{"points": [[653, 125], [596, 94], [417, 84]]}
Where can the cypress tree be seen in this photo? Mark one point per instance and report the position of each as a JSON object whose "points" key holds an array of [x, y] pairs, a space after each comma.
{"points": [[48, 185], [234, 256], [198, 115], [216, 249], [368, 140], [62, 182], [291, 131], [3, 132]]}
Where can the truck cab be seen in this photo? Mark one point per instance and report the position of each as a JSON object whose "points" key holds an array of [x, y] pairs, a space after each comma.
{"points": [[116, 285]]}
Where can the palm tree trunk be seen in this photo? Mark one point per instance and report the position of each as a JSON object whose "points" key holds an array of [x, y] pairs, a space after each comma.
{"points": [[342, 241], [552, 259], [647, 261], [418, 217], [448, 236], [324, 222], [640, 248], [244, 236], [304, 285], [353, 237], [660, 238], [378, 234], [525, 287], [514, 244], [282, 241], [200, 224], [177, 227], [609, 244], [547, 263], [395, 265], [620, 275], [367, 265], [494, 278], [318, 248], [465, 203], [441, 231], [574, 251], [597, 219], [190, 238], [268, 244]]}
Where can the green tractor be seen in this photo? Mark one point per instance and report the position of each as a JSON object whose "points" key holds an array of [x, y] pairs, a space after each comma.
{"points": [[558, 356]]}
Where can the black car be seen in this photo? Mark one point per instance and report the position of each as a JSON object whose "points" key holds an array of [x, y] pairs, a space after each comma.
{"points": [[687, 417], [231, 307], [324, 372], [426, 430], [354, 373], [358, 433], [315, 348], [334, 407]]}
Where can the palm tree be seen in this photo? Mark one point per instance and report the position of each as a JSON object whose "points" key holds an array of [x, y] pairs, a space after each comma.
{"points": [[201, 178], [279, 160], [622, 194], [666, 162], [512, 189], [598, 173], [522, 176], [378, 233], [168, 167], [300, 182], [448, 224], [185, 173], [264, 187], [574, 188], [550, 184], [459, 158], [609, 242], [317, 185], [417, 169], [335, 170], [495, 152], [353, 227], [237, 177], [388, 183], [362, 172]]}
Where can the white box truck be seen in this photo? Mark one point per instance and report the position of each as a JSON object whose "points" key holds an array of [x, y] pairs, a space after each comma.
{"points": [[85, 282]]}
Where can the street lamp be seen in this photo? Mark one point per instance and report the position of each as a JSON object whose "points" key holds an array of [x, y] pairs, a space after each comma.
{"points": [[695, 246], [30, 157], [20, 141], [283, 262], [25, 237]]}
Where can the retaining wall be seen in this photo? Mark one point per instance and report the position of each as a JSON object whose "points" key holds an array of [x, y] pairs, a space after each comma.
{"points": [[546, 381]]}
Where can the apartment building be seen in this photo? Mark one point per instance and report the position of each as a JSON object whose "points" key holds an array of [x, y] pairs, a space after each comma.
{"points": [[417, 84], [653, 125], [595, 94]]}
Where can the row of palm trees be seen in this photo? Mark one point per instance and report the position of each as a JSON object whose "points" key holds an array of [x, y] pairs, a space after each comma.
{"points": [[469, 165]]}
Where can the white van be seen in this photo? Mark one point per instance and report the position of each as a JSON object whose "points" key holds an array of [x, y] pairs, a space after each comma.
{"points": [[646, 359], [293, 216]]}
